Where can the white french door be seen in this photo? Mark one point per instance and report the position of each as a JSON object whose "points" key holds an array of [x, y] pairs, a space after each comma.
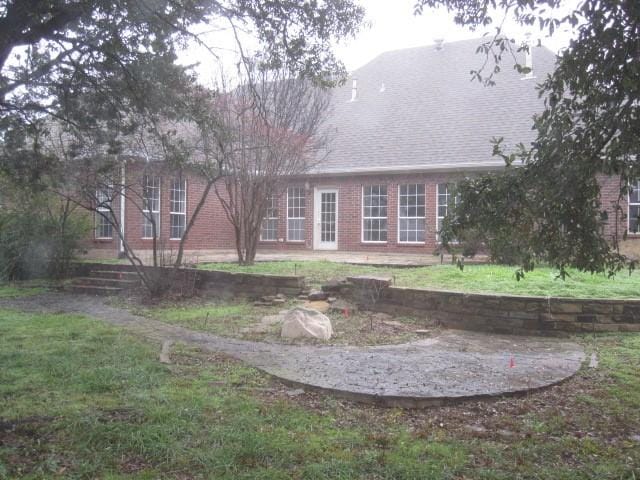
{"points": [[325, 216]]}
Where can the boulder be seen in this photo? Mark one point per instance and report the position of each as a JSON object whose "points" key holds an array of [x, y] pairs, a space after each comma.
{"points": [[305, 322]]}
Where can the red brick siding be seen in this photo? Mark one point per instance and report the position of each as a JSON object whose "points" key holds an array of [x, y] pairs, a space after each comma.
{"points": [[213, 231]]}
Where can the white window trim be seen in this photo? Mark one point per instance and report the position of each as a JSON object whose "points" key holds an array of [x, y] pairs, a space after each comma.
{"points": [[452, 242], [145, 211], [373, 242], [275, 240], [179, 213], [629, 204], [413, 218], [102, 217], [304, 195]]}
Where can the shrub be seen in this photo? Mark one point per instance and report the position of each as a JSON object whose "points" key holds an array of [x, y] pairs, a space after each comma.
{"points": [[39, 240]]}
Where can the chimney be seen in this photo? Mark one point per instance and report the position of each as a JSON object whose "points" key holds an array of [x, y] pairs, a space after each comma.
{"points": [[528, 57], [439, 42], [354, 90]]}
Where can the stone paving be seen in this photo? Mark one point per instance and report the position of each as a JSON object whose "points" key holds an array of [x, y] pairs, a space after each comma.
{"points": [[455, 365]]}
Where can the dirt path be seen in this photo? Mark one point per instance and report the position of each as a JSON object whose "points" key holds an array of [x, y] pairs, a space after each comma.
{"points": [[455, 365]]}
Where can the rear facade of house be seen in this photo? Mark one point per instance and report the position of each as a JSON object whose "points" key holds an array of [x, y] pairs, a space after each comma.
{"points": [[403, 130]]}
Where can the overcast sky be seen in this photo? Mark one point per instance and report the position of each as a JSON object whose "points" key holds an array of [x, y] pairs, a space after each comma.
{"points": [[391, 25]]}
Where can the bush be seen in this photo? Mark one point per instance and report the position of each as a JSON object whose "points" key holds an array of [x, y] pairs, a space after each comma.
{"points": [[38, 241]]}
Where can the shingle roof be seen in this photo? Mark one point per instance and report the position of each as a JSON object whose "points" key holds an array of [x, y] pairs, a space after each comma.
{"points": [[430, 114]]}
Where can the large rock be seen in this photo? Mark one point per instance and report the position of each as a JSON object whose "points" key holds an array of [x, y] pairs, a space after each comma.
{"points": [[305, 322]]}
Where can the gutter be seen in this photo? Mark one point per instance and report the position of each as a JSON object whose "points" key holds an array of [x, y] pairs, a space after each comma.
{"points": [[434, 168]]}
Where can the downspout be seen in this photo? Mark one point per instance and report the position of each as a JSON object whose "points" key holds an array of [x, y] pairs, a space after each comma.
{"points": [[122, 205]]}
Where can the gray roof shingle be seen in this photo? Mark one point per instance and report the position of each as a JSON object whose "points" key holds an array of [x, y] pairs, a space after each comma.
{"points": [[430, 114]]}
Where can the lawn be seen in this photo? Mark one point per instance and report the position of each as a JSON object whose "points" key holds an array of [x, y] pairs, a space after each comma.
{"points": [[83, 400], [20, 289], [474, 278]]}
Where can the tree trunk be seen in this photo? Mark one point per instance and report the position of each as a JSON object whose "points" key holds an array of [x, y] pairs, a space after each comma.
{"points": [[192, 221]]}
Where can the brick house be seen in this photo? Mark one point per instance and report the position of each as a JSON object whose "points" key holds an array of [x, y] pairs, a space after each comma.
{"points": [[406, 125]]}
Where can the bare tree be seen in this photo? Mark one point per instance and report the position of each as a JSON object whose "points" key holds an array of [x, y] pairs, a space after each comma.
{"points": [[270, 132], [96, 178]]}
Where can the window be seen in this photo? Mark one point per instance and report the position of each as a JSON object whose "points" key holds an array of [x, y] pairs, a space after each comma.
{"points": [[411, 213], [374, 213], [269, 230], [444, 199], [178, 208], [295, 214], [103, 224], [634, 208], [150, 206]]}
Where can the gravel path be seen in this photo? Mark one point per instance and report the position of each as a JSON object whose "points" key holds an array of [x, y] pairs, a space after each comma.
{"points": [[452, 366]]}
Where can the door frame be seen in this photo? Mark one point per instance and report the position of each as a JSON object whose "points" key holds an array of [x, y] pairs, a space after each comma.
{"points": [[317, 244]]}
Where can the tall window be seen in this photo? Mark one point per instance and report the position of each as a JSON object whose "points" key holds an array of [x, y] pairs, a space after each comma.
{"points": [[411, 213], [104, 227], [374, 213], [444, 202], [150, 205], [269, 230], [634, 208], [295, 213], [178, 208]]}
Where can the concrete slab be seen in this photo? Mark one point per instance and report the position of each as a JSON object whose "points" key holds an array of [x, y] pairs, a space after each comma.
{"points": [[355, 258], [452, 366]]}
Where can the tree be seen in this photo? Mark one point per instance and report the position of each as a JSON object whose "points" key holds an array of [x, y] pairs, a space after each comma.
{"points": [[54, 53], [589, 128], [270, 132], [107, 72]]}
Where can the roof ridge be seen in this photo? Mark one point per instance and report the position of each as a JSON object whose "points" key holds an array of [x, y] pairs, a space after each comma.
{"points": [[434, 46]]}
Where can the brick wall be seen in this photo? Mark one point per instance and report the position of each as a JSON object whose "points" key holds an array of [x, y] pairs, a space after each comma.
{"points": [[213, 230]]}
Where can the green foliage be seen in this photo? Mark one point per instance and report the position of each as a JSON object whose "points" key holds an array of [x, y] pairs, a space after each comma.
{"points": [[589, 127], [39, 237]]}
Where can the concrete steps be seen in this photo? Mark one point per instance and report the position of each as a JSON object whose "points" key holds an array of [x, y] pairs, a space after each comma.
{"points": [[105, 282]]}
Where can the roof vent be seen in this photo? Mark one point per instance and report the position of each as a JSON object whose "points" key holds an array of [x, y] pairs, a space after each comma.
{"points": [[528, 57], [439, 42], [354, 90], [382, 88]]}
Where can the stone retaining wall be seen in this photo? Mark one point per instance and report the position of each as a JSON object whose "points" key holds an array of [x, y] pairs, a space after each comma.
{"points": [[219, 282], [498, 313]]}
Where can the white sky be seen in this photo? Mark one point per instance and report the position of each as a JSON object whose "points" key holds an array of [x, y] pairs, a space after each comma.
{"points": [[391, 25]]}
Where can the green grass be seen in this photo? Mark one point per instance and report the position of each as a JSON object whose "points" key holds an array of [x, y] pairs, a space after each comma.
{"points": [[220, 319], [83, 400], [19, 290], [474, 278]]}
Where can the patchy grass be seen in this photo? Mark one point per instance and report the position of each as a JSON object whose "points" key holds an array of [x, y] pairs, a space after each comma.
{"points": [[83, 400], [474, 278], [20, 289], [241, 319]]}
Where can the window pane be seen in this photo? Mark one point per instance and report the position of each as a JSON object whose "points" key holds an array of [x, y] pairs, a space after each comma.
{"points": [[634, 214], [374, 213], [295, 213], [411, 213], [269, 230]]}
